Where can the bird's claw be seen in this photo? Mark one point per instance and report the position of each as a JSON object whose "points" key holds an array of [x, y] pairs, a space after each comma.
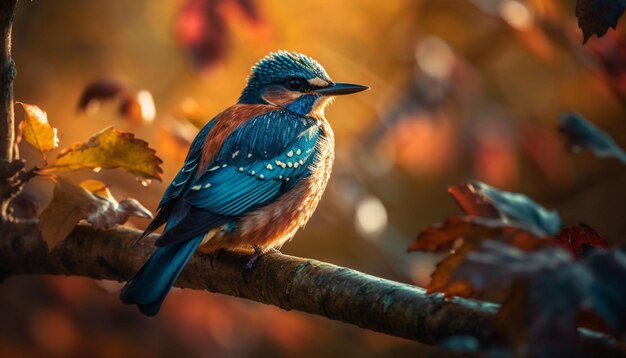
{"points": [[258, 252]]}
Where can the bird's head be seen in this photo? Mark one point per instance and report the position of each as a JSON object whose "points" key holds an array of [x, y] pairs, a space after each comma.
{"points": [[294, 81]]}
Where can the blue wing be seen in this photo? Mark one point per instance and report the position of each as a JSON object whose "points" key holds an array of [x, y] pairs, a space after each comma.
{"points": [[181, 181], [258, 162]]}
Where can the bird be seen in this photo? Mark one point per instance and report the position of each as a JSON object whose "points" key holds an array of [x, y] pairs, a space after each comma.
{"points": [[253, 175]]}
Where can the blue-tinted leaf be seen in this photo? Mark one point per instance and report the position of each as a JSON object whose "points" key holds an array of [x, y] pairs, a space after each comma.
{"points": [[607, 291], [596, 16], [519, 209], [495, 265], [583, 134]]}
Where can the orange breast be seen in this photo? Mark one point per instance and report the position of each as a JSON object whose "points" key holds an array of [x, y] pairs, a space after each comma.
{"points": [[225, 123], [274, 224]]}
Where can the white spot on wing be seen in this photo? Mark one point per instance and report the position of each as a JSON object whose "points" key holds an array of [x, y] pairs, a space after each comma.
{"points": [[269, 167], [290, 153], [196, 187], [214, 168]]}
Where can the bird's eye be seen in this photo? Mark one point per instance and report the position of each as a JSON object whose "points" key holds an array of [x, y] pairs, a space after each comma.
{"points": [[295, 83]]}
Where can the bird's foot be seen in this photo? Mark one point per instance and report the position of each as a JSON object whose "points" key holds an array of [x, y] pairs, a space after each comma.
{"points": [[258, 252]]}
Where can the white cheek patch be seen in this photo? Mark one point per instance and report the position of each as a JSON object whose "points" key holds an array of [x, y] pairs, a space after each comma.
{"points": [[318, 82]]}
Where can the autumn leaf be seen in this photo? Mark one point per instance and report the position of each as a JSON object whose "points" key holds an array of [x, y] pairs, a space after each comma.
{"points": [[580, 133], [36, 129], [495, 265], [97, 187], [548, 291], [110, 149], [72, 203], [202, 31], [136, 105], [596, 16], [440, 237], [579, 239], [445, 278], [441, 278], [479, 199], [472, 201]]}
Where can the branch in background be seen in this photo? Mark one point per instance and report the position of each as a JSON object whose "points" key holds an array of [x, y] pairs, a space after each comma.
{"points": [[287, 282]]}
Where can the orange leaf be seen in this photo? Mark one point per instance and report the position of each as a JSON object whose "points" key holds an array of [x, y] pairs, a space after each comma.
{"points": [[441, 278], [110, 149], [441, 237], [97, 187]]}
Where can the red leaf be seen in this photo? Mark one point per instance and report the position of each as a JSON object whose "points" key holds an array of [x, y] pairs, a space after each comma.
{"points": [[201, 28], [578, 239], [473, 201]]}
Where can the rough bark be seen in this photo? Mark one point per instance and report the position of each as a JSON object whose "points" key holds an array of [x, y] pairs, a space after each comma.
{"points": [[7, 75], [288, 282]]}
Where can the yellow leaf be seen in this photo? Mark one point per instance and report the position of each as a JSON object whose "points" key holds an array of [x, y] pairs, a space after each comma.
{"points": [[36, 129], [110, 149], [90, 201], [97, 187]]}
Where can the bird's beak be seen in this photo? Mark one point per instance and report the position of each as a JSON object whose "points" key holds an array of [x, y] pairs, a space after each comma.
{"points": [[341, 88]]}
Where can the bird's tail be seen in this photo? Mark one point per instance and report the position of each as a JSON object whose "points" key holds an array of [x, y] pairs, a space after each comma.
{"points": [[150, 285]]}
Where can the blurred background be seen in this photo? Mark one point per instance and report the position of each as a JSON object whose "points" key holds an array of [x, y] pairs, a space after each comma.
{"points": [[460, 90]]}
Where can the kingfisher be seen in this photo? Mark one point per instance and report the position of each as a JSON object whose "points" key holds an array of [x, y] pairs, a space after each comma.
{"points": [[253, 175]]}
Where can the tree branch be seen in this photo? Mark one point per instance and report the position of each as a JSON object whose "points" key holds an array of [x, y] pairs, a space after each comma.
{"points": [[7, 115], [287, 282], [7, 74]]}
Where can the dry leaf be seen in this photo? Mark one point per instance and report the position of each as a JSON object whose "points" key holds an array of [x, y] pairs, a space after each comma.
{"points": [[479, 199], [133, 104], [442, 237], [72, 203], [580, 240], [110, 149], [36, 129]]}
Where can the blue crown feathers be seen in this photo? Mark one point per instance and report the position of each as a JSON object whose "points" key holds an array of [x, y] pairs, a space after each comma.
{"points": [[283, 62]]}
